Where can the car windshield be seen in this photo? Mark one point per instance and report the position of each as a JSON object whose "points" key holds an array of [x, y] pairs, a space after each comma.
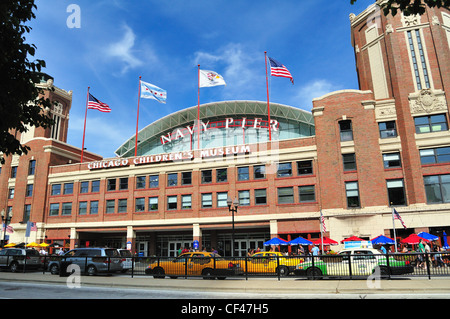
{"points": [[112, 253]]}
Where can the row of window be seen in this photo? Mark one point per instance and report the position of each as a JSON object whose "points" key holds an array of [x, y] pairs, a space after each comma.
{"points": [[31, 169]]}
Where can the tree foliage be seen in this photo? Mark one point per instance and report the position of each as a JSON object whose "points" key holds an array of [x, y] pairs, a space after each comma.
{"points": [[410, 7], [20, 102]]}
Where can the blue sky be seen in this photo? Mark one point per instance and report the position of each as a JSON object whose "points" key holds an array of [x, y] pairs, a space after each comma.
{"points": [[164, 41]]}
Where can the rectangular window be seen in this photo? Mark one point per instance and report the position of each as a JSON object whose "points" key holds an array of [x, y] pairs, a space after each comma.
{"points": [[95, 186], [186, 202], [349, 162], [284, 170], [304, 168], [31, 167], [66, 209], [221, 175], [396, 192], [152, 203], [13, 171], [352, 193], [153, 181], [260, 197], [172, 203], [82, 208], [437, 188], [68, 188], [207, 200], [243, 173], [54, 209], [430, 123], [172, 179], [285, 195], [244, 198], [140, 182], [84, 187], [110, 206], [345, 129], [387, 129], [222, 199], [11, 193], [93, 209], [26, 212], [140, 204], [56, 189], [186, 178], [435, 155], [111, 184], [29, 190], [122, 205], [307, 193], [259, 171], [206, 177], [123, 183], [392, 160]]}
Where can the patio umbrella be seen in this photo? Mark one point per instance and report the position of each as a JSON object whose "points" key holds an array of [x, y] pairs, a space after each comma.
{"points": [[382, 240], [33, 244], [10, 245], [445, 246], [427, 236], [275, 241], [353, 238], [300, 241], [413, 239], [326, 241], [43, 245]]}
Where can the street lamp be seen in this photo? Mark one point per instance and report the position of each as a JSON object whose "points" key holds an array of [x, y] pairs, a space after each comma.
{"points": [[230, 202], [5, 220]]}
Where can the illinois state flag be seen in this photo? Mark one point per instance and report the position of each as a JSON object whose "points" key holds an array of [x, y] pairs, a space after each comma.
{"points": [[210, 78], [150, 91]]}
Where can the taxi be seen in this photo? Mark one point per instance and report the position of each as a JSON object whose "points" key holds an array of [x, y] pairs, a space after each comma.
{"points": [[206, 264], [355, 262], [270, 261]]}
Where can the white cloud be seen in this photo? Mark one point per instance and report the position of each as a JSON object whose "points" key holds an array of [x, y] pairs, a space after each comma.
{"points": [[123, 50], [311, 90]]}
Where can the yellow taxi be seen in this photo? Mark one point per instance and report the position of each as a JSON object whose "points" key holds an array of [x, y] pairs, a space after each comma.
{"points": [[206, 264], [268, 262]]}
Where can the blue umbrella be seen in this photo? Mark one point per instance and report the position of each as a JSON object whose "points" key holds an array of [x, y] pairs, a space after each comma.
{"points": [[275, 241], [382, 240], [300, 241], [445, 246], [427, 236]]}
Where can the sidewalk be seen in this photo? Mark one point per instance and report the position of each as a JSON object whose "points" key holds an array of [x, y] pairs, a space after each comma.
{"points": [[437, 285]]}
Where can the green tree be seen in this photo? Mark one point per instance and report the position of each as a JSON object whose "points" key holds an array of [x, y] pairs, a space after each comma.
{"points": [[410, 7], [20, 101]]}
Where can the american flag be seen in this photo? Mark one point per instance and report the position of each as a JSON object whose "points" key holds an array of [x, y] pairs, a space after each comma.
{"points": [[322, 222], [33, 226], [93, 103], [9, 229], [397, 216], [278, 69]]}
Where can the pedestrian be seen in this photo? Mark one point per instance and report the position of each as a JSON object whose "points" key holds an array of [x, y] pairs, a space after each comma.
{"points": [[315, 250], [383, 249], [438, 257], [421, 250]]}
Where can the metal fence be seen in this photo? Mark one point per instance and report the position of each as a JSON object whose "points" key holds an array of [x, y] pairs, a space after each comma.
{"points": [[311, 267]]}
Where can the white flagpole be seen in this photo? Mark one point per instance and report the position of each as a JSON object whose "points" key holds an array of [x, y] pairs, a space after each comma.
{"points": [[321, 229], [393, 225]]}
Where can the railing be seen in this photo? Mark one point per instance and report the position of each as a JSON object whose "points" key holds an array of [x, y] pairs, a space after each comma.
{"points": [[311, 267]]}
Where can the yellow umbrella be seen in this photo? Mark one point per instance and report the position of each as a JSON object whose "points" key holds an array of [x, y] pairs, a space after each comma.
{"points": [[10, 245], [43, 245], [33, 244]]}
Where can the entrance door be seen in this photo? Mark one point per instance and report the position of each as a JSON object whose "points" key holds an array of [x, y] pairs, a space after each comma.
{"points": [[243, 245], [142, 248], [175, 245]]}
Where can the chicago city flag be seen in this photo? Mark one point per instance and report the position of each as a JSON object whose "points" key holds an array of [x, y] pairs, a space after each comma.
{"points": [[150, 91], [210, 78]]}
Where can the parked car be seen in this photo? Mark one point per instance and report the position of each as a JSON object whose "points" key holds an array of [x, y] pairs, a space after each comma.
{"points": [[17, 258], [208, 265], [90, 260], [268, 262], [361, 261], [127, 259]]}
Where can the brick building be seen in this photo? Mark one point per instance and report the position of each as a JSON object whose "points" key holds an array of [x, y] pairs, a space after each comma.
{"points": [[353, 157]]}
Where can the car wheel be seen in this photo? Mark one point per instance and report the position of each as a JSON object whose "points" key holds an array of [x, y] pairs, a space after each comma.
{"points": [[284, 271], [314, 273], [158, 273], [14, 267], [207, 274], [54, 269], [91, 270], [384, 272]]}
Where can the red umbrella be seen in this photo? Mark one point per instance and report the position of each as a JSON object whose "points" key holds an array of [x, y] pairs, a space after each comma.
{"points": [[413, 239], [326, 241], [353, 238]]}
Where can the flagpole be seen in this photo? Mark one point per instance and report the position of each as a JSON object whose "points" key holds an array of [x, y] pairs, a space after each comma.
{"points": [[268, 104], [198, 108], [393, 226], [137, 118], [321, 229], [84, 130]]}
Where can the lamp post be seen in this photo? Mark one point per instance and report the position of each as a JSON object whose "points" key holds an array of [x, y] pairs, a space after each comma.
{"points": [[233, 210], [5, 220]]}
